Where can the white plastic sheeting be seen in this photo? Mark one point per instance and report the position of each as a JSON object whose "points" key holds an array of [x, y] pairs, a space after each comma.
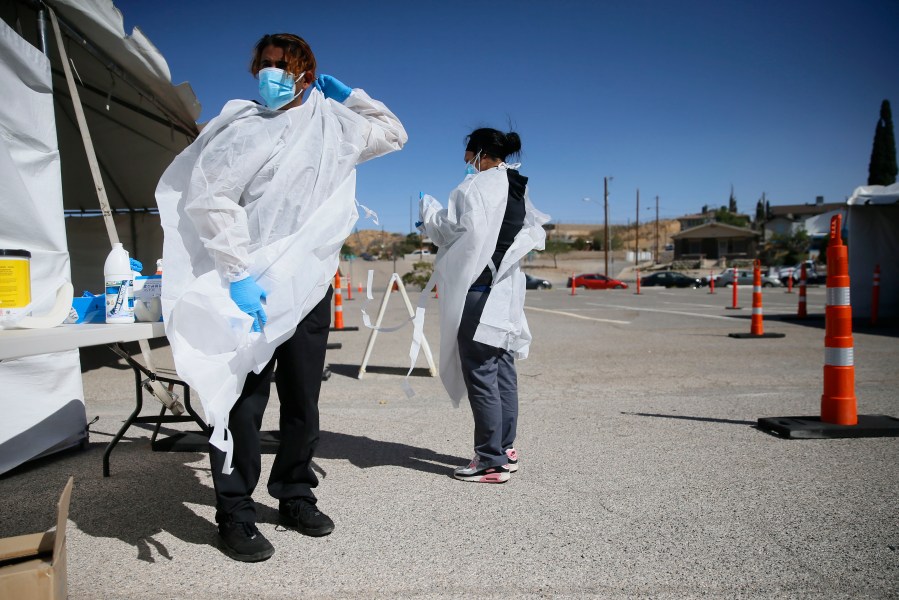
{"points": [[42, 401], [873, 232]]}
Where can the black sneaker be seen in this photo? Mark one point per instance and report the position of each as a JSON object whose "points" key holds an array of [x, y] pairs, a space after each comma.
{"points": [[302, 515], [244, 542]]}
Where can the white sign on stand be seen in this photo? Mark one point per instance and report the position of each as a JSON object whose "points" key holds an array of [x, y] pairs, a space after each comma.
{"points": [[377, 327]]}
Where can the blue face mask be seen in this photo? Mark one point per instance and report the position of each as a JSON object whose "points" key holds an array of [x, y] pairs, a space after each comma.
{"points": [[276, 87], [470, 169]]}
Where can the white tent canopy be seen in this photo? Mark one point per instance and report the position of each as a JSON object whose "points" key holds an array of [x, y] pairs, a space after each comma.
{"points": [[138, 122], [873, 232]]}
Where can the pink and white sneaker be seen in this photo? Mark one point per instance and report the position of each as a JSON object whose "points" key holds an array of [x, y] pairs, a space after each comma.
{"points": [[512, 457], [474, 472]]}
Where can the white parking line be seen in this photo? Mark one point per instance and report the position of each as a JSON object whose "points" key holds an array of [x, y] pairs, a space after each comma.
{"points": [[568, 314], [669, 312]]}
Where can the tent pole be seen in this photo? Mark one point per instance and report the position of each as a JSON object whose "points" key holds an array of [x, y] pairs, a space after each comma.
{"points": [[42, 29], [85, 133]]}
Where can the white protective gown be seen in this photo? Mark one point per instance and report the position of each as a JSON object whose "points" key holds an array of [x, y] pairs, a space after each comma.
{"points": [[272, 194], [465, 233]]}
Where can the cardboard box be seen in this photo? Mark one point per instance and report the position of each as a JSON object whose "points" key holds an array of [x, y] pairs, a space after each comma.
{"points": [[33, 566]]}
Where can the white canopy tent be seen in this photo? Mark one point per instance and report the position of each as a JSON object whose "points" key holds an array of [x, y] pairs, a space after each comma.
{"points": [[137, 122], [873, 232]]}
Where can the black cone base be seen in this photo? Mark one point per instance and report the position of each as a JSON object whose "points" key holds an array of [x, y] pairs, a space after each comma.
{"points": [[812, 428], [745, 336], [345, 329]]}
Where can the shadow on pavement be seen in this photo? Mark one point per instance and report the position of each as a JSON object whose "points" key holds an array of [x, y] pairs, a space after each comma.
{"points": [[687, 418], [365, 452], [353, 370], [148, 493]]}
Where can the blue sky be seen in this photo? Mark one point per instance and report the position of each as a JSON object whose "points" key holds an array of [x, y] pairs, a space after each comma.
{"points": [[679, 99]]}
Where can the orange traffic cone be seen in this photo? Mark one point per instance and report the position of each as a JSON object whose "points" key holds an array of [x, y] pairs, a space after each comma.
{"points": [[838, 403], [573, 293], [790, 282], [711, 282], [359, 289], [734, 306], [638, 281], [757, 328], [338, 303], [349, 288], [839, 418]]}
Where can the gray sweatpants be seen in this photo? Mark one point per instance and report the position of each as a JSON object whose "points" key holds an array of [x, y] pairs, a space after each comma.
{"points": [[492, 387]]}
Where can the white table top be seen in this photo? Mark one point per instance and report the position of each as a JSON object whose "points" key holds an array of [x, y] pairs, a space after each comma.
{"points": [[16, 343]]}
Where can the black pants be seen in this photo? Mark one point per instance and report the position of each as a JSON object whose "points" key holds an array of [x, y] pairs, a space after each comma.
{"points": [[300, 361]]}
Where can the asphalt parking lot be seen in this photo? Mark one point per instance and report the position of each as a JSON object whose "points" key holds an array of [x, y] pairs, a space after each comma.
{"points": [[642, 473]]}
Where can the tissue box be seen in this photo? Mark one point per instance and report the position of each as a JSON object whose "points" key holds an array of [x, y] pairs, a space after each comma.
{"points": [[90, 309], [33, 566]]}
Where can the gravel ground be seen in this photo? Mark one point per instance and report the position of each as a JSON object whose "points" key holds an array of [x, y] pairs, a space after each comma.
{"points": [[642, 474]]}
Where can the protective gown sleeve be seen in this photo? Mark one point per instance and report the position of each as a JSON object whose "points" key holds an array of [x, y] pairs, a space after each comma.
{"points": [[384, 133], [223, 170], [445, 225]]}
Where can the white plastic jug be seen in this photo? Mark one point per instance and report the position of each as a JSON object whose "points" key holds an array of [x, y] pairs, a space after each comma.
{"points": [[119, 286]]}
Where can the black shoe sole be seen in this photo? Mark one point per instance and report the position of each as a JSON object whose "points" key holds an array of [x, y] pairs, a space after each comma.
{"points": [[231, 553], [312, 532]]}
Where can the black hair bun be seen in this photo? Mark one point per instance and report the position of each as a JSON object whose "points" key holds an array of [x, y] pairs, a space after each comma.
{"points": [[511, 143]]}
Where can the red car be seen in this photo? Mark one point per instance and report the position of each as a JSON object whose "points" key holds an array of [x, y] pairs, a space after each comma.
{"points": [[595, 281]]}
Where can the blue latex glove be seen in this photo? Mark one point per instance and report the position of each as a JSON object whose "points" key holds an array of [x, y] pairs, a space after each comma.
{"points": [[418, 224], [136, 265], [332, 88], [248, 297]]}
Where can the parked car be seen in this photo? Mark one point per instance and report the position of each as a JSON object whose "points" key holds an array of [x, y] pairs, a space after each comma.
{"points": [[671, 279], [812, 273], [744, 277], [367, 256], [536, 283], [595, 281]]}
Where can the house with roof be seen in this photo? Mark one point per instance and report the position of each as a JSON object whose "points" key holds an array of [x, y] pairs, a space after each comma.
{"points": [[716, 241], [787, 219]]}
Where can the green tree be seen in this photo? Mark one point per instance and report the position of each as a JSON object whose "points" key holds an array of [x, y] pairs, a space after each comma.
{"points": [[723, 215], [732, 202], [554, 248], [579, 243], [786, 249], [410, 244], [419, 275], [882, 169]]}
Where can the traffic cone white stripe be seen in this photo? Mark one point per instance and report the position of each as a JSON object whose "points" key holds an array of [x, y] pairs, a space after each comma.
{"points": [[838, 296], [756, 289], [839, 357], [757, 310]]}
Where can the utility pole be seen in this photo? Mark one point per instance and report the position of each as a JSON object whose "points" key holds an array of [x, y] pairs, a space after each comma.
{"points": [[657, 229], [605, 195], [637, 232]]}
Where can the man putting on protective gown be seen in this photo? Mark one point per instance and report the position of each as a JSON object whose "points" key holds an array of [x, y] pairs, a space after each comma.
{"points": [[488, 226], [255, 212]]}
